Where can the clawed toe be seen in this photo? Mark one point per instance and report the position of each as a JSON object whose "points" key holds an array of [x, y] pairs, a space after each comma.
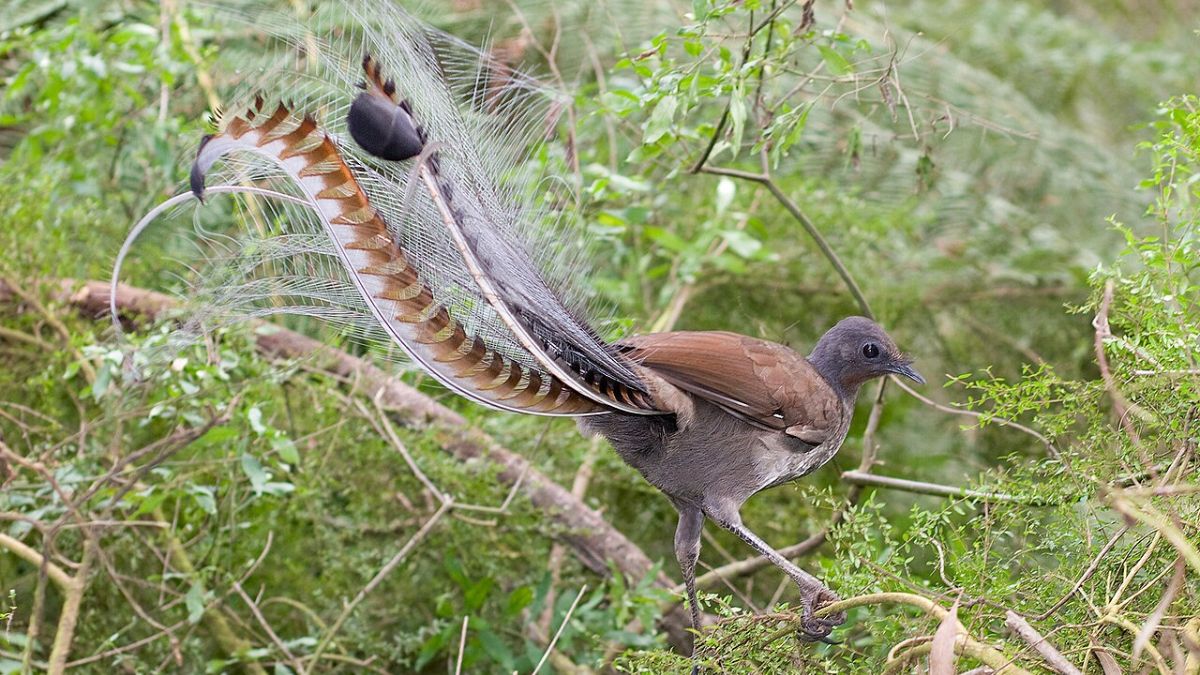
{"points": [[815, 628]]}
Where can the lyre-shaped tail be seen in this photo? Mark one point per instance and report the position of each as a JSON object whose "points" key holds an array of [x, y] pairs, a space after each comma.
{"points": [[400, 301], [430, 241]]}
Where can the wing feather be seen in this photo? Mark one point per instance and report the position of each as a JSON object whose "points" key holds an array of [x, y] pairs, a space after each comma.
{"points": [[765, 383]]}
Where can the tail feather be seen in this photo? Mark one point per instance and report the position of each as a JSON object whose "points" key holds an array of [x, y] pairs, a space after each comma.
{"points": [[428, 210], [400, 301]]}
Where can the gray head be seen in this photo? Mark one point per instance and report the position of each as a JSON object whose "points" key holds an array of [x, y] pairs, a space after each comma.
{"points": [[857, 350]]}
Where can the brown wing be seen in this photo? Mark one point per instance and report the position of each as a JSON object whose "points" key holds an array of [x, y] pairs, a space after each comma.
{"points": [[763, 382]]}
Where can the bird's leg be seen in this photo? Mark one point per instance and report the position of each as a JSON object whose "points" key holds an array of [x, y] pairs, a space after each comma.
{"points": [[687, 552], [814, 594]]}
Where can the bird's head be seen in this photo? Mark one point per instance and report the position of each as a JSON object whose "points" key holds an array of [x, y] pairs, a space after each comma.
{"points": [[857, 350]]}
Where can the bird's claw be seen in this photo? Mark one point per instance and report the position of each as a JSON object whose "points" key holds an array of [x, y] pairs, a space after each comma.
{"points": [[817, 628]]}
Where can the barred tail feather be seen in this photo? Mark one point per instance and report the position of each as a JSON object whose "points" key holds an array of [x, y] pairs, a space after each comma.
{"points": [[389, 285], [409, 153]]}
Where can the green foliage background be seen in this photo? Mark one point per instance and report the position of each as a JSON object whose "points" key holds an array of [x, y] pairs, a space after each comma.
{"points": [[984, 170]]}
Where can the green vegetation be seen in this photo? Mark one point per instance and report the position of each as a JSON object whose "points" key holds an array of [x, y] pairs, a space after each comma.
{"points": [[1012, 188]]}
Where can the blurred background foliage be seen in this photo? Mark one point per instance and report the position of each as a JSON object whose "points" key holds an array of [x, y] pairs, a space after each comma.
{"points": [[968, 163]]}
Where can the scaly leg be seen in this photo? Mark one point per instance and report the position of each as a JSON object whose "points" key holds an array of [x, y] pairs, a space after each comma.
{"points": [[687, 552], [813, 593]]}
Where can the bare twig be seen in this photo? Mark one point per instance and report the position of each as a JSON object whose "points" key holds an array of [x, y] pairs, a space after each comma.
{"points": [[378, 579], [921, 487], [462, 646], [999, 421], [561, 627], [1104, 332], [1017, 624], [1087, 574], [33, 557], [798, 214], [262, 621]]}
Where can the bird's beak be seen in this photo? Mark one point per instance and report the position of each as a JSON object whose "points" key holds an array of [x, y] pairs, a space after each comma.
{"points": [[907, 371]]}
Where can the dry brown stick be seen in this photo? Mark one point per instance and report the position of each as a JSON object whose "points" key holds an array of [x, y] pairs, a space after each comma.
{"points": [[262, 621], [1017, 624], [1103, 332]]}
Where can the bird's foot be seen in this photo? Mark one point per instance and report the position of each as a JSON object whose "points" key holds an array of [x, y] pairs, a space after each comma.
{"points": [[815, 628]]}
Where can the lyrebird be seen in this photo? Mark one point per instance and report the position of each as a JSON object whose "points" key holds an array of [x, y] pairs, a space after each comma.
{"points": [[394, 144]]}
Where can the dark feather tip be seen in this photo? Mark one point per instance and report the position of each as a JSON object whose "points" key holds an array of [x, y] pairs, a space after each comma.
{"points": [[196, 179]]}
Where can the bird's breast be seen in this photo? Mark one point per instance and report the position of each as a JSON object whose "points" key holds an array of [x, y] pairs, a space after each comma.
{"points": [[783, 458]]}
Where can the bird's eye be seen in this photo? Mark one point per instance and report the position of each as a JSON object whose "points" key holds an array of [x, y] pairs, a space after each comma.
{"points": [[870, 350]]}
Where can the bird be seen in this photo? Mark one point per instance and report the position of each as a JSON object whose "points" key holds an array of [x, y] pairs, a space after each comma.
{"points": [[381, 154]]}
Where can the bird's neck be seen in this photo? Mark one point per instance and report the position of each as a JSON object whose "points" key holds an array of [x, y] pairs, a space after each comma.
{"points": [[833, 368]]}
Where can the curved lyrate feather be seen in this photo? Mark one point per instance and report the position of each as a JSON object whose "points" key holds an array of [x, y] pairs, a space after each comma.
{"points": [[399, 300], [441, 243]]}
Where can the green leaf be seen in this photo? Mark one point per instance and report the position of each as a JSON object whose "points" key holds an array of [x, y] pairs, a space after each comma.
{"points": [[737, 115], [103, 378], [477, 594], [286, 449], [255, 472], [194, 601], [667, 239], [741, 243], [204, 496], [495, 648], [430, 649], [254, 416], [726, 189], [660, 120], [518, 600], [837, 64]]}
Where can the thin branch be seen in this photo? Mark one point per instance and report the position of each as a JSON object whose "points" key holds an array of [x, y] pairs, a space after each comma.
{"points": [[561, 627], [462, 646], [805, 222], [64, 633], [262, 621], [1087, 574], [938, 490], [1103, 332], [1017, 624], [378, 579], [33, 557], [999, 421]]}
